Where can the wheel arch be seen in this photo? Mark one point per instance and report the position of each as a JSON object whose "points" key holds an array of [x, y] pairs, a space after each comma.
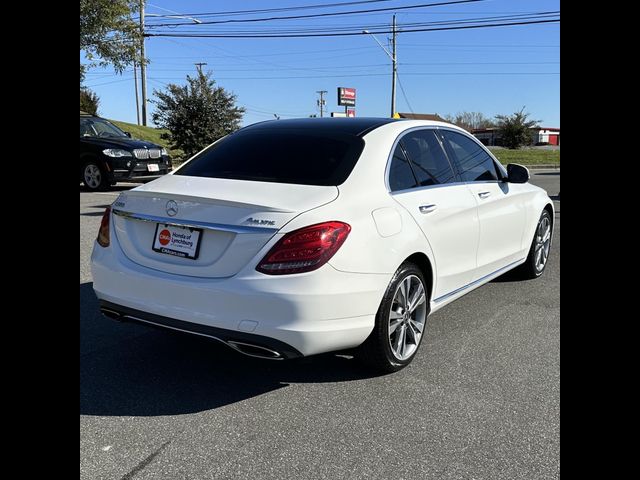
{"points": [[549, 208], [91, 156], [422, 261]]}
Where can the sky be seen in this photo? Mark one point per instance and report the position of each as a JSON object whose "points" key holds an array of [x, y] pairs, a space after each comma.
{"points": [[494, 71]]}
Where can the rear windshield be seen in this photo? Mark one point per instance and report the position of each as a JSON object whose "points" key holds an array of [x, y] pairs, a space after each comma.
{"points": [[288, 156]]}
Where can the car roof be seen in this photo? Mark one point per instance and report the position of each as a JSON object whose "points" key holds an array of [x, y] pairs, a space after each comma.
{"points": [[354, 126]]}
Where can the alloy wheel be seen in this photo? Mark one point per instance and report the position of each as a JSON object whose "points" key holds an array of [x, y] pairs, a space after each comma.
{"points": [[543, 243], [407, 317], [92, 176]]}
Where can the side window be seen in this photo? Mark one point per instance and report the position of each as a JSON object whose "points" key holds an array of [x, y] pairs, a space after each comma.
{"points": [[428, 159], [400, 173], [85, 127], [474, 164]]}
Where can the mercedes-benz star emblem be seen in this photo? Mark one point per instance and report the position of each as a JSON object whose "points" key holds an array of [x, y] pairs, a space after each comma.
{"points": [[172, 208]]}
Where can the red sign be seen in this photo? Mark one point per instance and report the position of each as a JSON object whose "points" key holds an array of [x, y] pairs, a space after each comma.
{"points": [[351, 112], [346, 96], [165, 237]]}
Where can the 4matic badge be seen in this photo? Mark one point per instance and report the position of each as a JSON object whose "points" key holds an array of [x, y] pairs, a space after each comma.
{"points": [[255, 221]]}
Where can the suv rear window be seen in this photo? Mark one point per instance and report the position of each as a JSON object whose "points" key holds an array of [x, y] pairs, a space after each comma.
{"points": [[289, 156]]}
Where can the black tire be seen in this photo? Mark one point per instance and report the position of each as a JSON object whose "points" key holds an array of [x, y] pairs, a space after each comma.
{"points": [[94, 177], [377, 351], [531, 268]]}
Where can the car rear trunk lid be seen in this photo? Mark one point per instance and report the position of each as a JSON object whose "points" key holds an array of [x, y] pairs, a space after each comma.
{"points": [[236, 219]]}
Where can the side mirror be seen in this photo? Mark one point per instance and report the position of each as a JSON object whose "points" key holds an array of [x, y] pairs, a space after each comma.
{"points": [[517, 173], [128, 134]]}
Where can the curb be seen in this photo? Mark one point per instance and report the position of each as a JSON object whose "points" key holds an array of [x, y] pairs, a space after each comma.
{"points": [[541, 167]]}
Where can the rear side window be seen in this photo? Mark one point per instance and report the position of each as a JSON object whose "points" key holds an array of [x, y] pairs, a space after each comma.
{"points": [[430, 164], [400, 174], [474, 164], [287, 156]]}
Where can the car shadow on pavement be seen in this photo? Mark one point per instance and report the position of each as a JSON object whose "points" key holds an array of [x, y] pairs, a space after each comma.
{"points": [[131, 370], [510, 276]]}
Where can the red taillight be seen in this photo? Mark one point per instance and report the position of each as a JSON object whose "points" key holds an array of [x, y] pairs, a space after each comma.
{"points": [[305, 249], [103, 233]]}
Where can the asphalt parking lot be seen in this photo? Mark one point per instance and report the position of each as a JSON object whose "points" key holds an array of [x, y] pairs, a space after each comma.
{"points": [[480, 401]]}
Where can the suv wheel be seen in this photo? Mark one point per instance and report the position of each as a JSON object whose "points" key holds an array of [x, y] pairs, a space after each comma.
{"points": [[93, 177]]}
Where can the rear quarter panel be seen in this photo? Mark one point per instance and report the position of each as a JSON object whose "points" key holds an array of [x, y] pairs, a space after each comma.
{"points": [[375, 244]]}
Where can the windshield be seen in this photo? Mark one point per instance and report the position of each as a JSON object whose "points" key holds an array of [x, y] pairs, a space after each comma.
{"points": [[98, 127], [307, 157]]}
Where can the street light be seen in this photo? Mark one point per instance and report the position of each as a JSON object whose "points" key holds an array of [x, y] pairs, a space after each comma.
{"points": [[394, 63]]}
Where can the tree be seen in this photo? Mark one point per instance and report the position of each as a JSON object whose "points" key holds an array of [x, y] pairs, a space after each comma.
{"points": [[89, 101], [516, 129], [196, 114], [469, 120], [108, 33]]}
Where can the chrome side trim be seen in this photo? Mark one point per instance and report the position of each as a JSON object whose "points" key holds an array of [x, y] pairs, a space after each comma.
{"points": [[194, 223], [480, 280]]}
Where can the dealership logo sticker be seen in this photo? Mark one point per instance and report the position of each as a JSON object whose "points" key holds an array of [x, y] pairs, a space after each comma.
{"points": [[165, 237], [172, 208]]}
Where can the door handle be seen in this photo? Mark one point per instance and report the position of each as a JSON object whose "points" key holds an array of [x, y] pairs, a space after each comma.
{"points": [[427, 208], [484, 194]]}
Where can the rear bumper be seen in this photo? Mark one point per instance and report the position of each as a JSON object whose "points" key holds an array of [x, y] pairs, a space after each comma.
{"points": [[247, 343], [310, 313]]}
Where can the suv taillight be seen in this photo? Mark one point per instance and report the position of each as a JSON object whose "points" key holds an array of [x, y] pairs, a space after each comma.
{"points": [[304, 250], [103, 233]]}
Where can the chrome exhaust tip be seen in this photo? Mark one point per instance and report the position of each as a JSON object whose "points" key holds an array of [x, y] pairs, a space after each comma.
{"points": [[107, 312], [254, 350]]}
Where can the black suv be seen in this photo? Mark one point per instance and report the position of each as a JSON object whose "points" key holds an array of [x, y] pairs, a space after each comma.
{"points": [[109, 155]]}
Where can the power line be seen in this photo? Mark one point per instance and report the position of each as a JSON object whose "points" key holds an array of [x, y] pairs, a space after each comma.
{"points": [[404, 94], [452, 45], [376, 29], [277, 54], [330, 14], [222, 68], [280, 9], [343, 34], [373, 27], [423, 74], [108, 83]]}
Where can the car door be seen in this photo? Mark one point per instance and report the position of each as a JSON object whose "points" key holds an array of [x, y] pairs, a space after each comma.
{"points": [[501, 210], [423, 181]]}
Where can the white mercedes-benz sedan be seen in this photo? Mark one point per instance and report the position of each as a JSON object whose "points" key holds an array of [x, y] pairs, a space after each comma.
{"points": [[296, 237]]}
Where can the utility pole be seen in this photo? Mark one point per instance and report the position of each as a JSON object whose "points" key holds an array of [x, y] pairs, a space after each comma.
{"points": [[143, 69], [135, 80], [199, 66], [321, 102], [394, 61]]}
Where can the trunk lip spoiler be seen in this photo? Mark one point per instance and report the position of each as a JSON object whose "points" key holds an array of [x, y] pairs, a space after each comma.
{"points": [[193, 223]]}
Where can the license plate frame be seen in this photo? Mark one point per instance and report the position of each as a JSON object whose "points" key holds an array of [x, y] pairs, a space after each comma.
{"points": [[178, 236]]}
